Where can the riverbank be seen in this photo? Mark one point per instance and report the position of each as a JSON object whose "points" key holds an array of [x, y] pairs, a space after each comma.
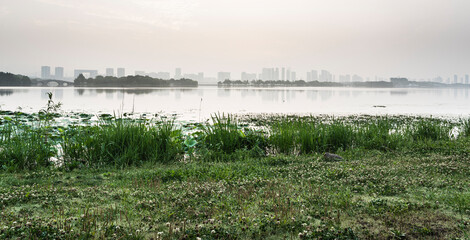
{"points": [[252, 178]]}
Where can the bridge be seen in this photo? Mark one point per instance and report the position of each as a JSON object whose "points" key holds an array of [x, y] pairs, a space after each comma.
{"points": [[54, 83]]}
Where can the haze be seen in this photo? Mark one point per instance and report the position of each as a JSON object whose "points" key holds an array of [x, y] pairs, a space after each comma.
{"points": [[412, 38]]}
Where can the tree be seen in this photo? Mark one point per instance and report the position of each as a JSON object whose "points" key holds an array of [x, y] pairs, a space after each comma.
{"points": [[80, 80]]}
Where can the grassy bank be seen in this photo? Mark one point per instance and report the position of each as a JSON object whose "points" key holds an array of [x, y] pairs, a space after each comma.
{"points": [[261, 178]]}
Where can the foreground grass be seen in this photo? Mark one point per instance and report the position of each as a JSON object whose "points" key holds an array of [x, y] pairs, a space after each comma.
{"points": [[262, 178], [369, 195]]}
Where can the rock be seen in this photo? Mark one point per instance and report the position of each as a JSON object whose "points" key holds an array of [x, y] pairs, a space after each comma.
{"points": [[332, 157]]}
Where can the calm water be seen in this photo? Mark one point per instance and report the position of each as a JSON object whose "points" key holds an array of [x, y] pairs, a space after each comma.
{"points": [[192, 104]]}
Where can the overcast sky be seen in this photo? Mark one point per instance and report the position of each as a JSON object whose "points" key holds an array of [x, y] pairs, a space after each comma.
{"points": [[412, 38]]}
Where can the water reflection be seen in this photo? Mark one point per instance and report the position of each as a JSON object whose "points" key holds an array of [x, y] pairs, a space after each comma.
{"points": [[239, 100], [58, 93], [6, 92], [398, 92], [131, 91]]}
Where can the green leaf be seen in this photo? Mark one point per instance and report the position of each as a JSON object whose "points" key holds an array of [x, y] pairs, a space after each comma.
{"points": [[190, 142]]}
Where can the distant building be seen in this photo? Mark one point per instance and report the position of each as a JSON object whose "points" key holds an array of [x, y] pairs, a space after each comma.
{"points": [[312, 76], [267, 74], [45, 72], [164, 75], [466, 79], [248, 76], [344, 78], [288, 75], [283, 75], [178, 74], [325, 76], [196, 77], [110, 72], [438, 79], [222, 76], [86, 73], [309, 76], [200, 77], [59, 73], [293, 76], [121, 72], [456, 78], [140, 73], [160, 75], [356, 78]]}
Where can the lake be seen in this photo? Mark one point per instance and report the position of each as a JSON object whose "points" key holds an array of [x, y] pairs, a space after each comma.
{"points": [[199, 103]]}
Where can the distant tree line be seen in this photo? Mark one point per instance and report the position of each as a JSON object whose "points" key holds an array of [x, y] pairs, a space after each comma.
{"points": [[9, 79], [132, 81]]}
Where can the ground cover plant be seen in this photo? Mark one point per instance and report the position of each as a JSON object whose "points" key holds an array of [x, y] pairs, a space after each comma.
{"points": [[263, 177]]}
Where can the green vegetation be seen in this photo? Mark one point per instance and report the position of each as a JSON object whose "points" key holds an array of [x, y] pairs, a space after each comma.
{"points": [[132, 81], [248, 178], [9, 79]]}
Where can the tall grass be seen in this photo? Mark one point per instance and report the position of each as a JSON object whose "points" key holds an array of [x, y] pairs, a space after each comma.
{"points": [[23, 147], [297, 135], [127, 142], [465, 130], [226, 136], [429, 129], [122, 143]]}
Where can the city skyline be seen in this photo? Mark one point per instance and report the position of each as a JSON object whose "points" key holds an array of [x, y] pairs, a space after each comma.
{"points": [[271, 74], [364, 37]]}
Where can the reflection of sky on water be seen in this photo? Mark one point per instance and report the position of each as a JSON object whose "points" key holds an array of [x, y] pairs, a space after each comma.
{"points": [[190, 101]]}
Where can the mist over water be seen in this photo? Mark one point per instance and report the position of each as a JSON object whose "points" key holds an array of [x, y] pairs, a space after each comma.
{"points": [[199, 103]]}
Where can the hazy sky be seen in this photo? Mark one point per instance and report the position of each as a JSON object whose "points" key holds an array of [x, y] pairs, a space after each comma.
{"points": [[414, 38]]}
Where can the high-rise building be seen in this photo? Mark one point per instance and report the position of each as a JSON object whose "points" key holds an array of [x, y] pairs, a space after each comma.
{"points": [[59, 73], [314, 75], [466, 79], [45, 72], [178, 74], [294, 76], [283, 74], [200, 77], [248, 76], [267, 74], [288, 75], [344, 78], [326, 76], [309, 76], [357, 78], [270, 74], [110, 72], [222, 76], [456, 78], [121, 72]]}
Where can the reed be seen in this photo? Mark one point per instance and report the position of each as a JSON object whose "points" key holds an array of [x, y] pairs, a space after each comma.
{"points": [[23, 147], [226, 136], [122, 143]]}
